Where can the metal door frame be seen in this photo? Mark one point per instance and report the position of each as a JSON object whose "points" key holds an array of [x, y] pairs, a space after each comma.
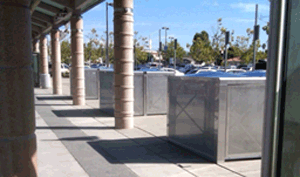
{"points": [[274, 89]]}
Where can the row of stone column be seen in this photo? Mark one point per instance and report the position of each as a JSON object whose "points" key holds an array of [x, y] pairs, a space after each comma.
{"points": [[123, 50], [78, 91], [17, 111]]}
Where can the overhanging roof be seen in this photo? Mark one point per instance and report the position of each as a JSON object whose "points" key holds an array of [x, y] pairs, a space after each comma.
{"points": [[46, 14]]}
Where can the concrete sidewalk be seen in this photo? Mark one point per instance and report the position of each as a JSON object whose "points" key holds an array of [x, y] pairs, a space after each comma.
{"points": [[82, 141]]}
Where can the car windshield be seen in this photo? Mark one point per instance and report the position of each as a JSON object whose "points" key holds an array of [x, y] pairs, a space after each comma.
{"points": [[193, 72]]}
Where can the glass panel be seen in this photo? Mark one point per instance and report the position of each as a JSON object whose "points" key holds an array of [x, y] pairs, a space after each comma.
{"points": [[35, 64], [290, 164]]}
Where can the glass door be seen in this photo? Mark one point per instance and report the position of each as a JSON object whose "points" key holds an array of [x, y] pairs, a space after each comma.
{"points": [[281, 151], [289, 133]]}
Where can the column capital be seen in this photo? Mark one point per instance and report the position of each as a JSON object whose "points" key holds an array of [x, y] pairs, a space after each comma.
{"points": [[77, 30], [123, 9], [43, 36], [55, 30], [35, 40], [78, 16], [43, 40]]}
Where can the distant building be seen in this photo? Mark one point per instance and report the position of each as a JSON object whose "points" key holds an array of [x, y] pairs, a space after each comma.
{"points": [[234, 61], [155, 55]]}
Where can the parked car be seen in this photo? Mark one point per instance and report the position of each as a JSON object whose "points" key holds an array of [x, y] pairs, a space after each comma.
{"points": [[94, 66], [177, 73], [191, 71], [65, 72], [247, 68], [235, 71], [205, 70], [241, 66], [202, 69]]}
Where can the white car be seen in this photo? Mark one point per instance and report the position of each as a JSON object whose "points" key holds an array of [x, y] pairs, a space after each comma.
{"points": [[177, 73], [235, 71], [65, 72], [205, 70]]}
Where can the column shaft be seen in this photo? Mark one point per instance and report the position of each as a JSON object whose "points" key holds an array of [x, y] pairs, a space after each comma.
{"points": [[78, 91], [123, 66], [36, 46], [56, 62], [17, 115], [44, 55], [44, 68]]}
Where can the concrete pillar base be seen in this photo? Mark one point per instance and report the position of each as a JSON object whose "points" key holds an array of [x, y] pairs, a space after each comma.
{"points": [[18, 158], [45, 81], [78, 101], [124, 123], [57, 92]]}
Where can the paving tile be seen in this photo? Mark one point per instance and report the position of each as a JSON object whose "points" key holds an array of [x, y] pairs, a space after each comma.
{"points": [[214, 170], [252, 174], [243, 165], [135, 133], [156, 125], [150, 170], [77, 143], [109, 121], [53, 157]]}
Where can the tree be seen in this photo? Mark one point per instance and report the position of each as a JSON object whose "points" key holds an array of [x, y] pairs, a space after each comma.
{"points": [[240, 46], [247, 56], [180, 53], [234, 51], [218, 41], [203, 36], [201, 50], [91, 48], [141, 56], [65, 52], [140, 44], [266, 28]]}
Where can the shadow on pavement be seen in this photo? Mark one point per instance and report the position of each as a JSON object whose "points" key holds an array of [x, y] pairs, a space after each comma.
{"points": [[85, 138], [54, 98], [53, 105], [80, 113], [144, 150], [73, 128]]}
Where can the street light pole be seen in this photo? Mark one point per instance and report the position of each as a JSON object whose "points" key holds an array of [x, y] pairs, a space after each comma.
{"points": [[165, 28], [174, 60], [160, 45], [107, 58], [166, 37], [227, 36], [254, 39]]}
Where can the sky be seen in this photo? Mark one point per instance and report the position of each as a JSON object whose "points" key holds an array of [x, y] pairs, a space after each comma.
{"points": [[183, 18]]}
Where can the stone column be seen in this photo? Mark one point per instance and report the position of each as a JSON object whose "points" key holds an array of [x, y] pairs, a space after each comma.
{"points": [[78, 87], [44, 66], [123, 64], [17, 115], [36, 46], [56, 62]]}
